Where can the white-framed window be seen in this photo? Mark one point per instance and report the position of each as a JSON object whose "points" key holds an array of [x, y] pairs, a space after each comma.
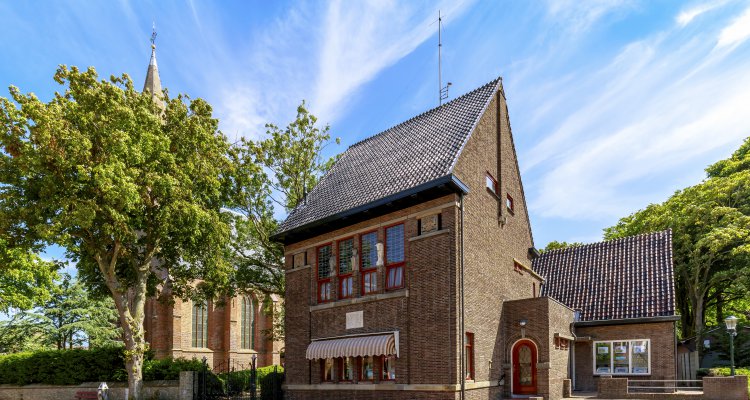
{"points": [[622, 357]]}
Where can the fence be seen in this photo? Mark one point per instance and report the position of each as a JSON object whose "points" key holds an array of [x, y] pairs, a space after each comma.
{"points": [[236, 381]]}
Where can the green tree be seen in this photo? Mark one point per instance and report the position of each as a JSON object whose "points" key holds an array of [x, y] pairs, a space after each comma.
{"points": [[276, 171], [24, 277], [710, 225], [133, 192], [555, 245]]}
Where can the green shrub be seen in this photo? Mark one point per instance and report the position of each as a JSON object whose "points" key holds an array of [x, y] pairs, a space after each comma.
{"points": [[72, 367], [722, 371], [239, 381], [270, 383]]}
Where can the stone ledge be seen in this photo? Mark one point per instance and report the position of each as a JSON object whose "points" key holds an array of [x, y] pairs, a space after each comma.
{"points": [[360, 300], [392, 387], [431, 234]]}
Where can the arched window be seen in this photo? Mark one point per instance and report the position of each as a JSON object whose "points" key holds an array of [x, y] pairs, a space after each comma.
{"points": [[200, 324], [248, 323]]}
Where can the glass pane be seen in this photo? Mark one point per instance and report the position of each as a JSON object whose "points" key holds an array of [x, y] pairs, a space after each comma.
{"points": [[328, 369], [347, 372], [370, 284], [346, 287], [369, 250], [524, 365], [603, 352], [394, 243], [324, 262], [639, 356], [621, 355], [345, 256], [368, 370], [389, 368], [395, 277]]}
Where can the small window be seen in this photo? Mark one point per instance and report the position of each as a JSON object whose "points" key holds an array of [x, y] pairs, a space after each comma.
{"points": [[326, 370], [469, 356], [324, 262], [346, 288], [491, 183], [345, 253], [325, 293], [300, 260], [509, 203], [430, 223], [347, 369], [561, 343], [369, 282], [367, 369], [389, 368]]}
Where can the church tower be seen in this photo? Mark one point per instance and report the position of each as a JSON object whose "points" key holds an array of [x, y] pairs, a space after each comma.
{"points": [[153, 82]]}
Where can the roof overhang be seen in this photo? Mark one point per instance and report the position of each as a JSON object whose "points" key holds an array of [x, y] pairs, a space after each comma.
{"points": [[418, 194], [626, 321]]}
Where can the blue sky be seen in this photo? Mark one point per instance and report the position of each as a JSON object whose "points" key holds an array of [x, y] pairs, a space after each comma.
{"points": [[614, 104]]}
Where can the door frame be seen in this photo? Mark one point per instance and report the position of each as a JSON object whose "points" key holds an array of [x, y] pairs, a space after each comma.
{"points": [[535, 359]]}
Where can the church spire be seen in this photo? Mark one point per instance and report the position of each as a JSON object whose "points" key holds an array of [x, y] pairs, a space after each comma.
{"points": [[153, 82]]}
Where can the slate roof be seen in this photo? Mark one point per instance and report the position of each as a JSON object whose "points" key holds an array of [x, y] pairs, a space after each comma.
{"points": [[632, 277], [416, 152]]}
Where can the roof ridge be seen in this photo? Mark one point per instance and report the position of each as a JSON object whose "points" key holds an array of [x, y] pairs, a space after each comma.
{"points": [[492, 82], [611, 241]]}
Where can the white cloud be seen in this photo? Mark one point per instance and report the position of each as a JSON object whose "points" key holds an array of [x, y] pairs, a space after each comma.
{"points": [[578, 16], [737, 32], [687, 15]]}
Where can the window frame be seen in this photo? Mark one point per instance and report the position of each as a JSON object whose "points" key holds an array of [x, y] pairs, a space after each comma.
{"points": [[362, 253], [510, 204], [361, 368], [612, 360], [383, 372], [469, 348], [247, 326], [342, 368], [202, 341], [494, 188], [347, 275], [323, 370], [400, 264], [320, 280]]}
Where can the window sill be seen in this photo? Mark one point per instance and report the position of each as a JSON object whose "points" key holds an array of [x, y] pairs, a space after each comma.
{"points": [[430, 234], [364, 299]]}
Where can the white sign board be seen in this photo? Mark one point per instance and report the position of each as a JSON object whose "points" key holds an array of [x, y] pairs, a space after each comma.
{"points": [[355, 320]]}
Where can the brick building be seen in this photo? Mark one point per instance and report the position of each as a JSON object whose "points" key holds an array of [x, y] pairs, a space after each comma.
{"points": [[227, 332], [409, 269]]}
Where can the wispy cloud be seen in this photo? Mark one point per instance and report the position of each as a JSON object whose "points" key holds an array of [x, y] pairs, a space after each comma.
{"points": [[662, 104], [579, 16], [687, 15]]}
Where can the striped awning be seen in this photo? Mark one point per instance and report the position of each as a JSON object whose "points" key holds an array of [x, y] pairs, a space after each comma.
{"points": [[357, 346]]}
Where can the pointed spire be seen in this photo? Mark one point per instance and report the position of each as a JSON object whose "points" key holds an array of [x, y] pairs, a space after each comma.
{"points": [[153, 82]]}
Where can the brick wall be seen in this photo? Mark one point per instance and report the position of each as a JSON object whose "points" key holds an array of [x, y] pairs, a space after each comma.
{"points": [[662, 335]]}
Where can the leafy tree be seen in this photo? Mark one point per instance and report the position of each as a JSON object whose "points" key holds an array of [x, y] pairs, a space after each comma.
{"points": [[278, 170], [71, 317], [133, 192], [710, 224], [555, 245], [24, 277]]}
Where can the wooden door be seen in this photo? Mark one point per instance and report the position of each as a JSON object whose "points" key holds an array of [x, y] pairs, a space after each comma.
{"points": [[524, 367]]}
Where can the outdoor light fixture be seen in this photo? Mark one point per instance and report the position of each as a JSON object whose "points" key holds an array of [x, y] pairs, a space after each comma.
{"points": [[522, 323], [731, 322]]}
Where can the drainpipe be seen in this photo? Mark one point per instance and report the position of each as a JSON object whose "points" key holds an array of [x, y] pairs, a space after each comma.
{"points": [[463, 311]]}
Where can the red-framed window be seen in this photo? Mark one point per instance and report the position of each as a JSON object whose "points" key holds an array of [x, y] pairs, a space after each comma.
{"points": [[346, 369], [325, 272], [327, 368], [367, 370], [388, 368], [368, 246], [509, 204], [344, 260], [469, 343], [395, 243], [490, 182]]}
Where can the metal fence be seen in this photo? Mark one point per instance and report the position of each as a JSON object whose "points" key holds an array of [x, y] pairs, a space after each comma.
{"points": [[655, 386], [236, 381]]}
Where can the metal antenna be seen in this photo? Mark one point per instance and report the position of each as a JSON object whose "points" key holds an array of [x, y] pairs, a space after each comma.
{"points": [[443, 91]]}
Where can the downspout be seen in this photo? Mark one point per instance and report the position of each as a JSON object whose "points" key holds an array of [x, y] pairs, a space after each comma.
{"points": [[463, 311]]}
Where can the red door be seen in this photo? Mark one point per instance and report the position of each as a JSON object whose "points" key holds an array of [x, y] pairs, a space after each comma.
{"points": [[524, 367]]}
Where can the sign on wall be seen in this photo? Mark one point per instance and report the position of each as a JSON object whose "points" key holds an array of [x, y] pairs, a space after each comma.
{"points": [[355, 320]]}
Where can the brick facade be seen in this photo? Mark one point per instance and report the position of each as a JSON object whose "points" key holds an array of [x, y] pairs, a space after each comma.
{"points": [[169, 333], [661, 334]]}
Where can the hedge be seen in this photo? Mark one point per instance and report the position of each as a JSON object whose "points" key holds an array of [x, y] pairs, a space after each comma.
{"points": [[239, 381], [72, 367], [722, 371], [267, 383]]}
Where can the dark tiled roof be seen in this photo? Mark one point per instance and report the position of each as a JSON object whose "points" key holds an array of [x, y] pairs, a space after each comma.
{"points": [[412, 153], [624, 278]]}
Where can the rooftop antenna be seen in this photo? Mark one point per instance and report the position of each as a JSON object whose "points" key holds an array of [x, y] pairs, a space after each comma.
{"points": [[443, 94]]}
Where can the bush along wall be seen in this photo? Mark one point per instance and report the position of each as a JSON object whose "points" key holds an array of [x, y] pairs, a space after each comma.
{"points": [[73, 367]]}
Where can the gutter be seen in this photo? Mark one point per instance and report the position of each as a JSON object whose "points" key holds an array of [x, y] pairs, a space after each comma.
{"points": [[463, 309], [626, 321]]}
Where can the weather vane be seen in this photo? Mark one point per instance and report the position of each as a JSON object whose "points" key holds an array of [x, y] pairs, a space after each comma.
{"points": [[153, 34]]}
